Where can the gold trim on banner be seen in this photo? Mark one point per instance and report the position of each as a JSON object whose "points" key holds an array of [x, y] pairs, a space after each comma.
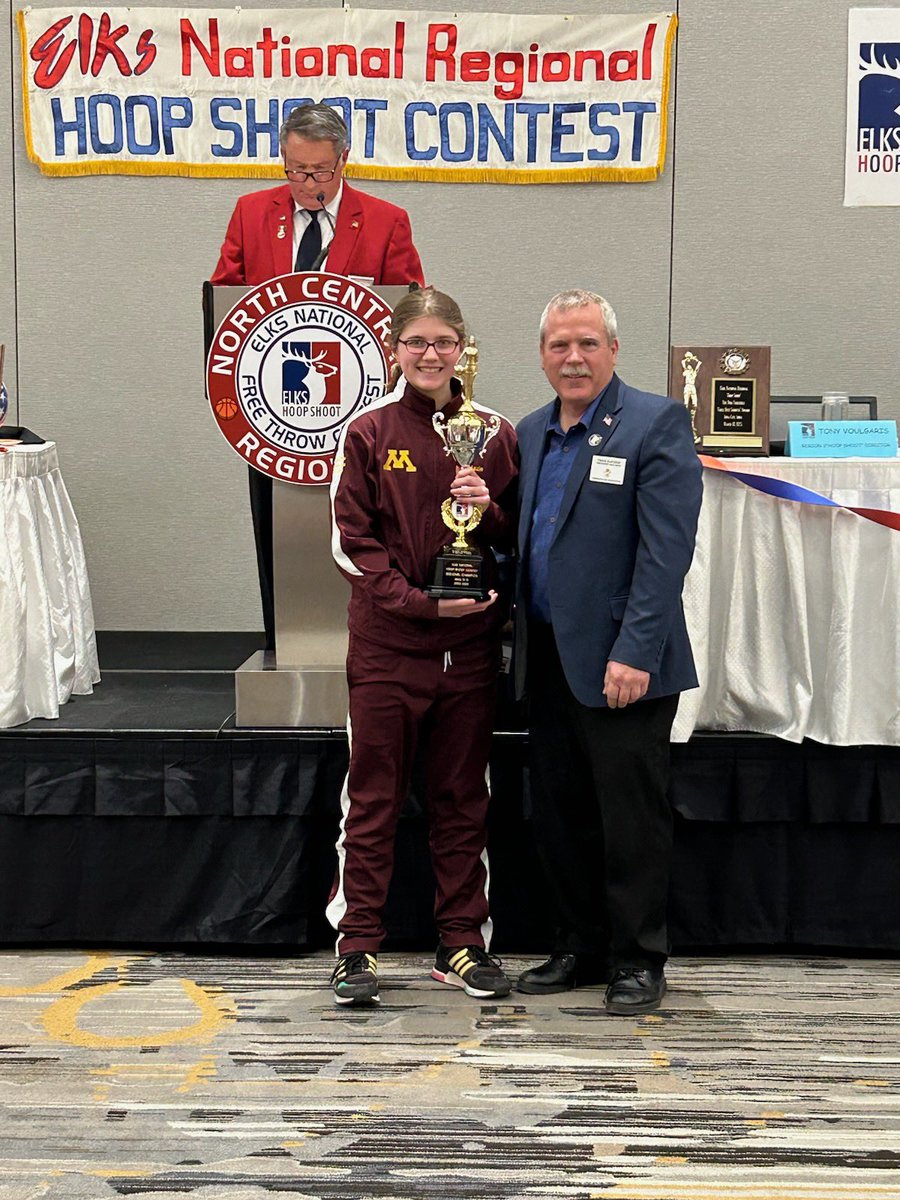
{"points": [[496, 175], [666, 81], [23, 50]]}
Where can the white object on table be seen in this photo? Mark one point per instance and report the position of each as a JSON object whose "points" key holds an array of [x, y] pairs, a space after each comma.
{"points": [[835, 406]]}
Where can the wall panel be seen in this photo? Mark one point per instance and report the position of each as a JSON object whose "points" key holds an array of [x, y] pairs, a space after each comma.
{"points": [[763, 250]]}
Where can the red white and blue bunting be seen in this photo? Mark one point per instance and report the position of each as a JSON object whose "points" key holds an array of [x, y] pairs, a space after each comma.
{"points": [[784, 489]]}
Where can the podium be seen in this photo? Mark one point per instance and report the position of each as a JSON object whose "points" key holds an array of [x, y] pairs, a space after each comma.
{"points": [[303, 684]]}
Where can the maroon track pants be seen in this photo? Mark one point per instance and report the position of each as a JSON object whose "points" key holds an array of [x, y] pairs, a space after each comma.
{"points": [[394, 699]]}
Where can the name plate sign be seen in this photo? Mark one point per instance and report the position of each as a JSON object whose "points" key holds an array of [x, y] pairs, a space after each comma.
{"points": [[726, 391], [841, 439]]}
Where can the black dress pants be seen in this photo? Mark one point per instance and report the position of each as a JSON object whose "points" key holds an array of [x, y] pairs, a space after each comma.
{"points": [[601, 814], [261, 511]]}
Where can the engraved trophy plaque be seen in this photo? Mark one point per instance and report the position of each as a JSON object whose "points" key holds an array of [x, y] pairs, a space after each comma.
{"points": [[459, 570], [726, 392]]}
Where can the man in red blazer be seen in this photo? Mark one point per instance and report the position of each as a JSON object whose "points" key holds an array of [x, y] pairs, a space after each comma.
{"points": [[372, 238], [315, 220]]}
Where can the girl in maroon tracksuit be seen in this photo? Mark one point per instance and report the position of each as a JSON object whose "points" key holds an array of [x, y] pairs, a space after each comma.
{"points": [[415, 660]]}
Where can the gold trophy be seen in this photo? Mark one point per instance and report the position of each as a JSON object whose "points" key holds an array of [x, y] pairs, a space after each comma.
{"points": [[459, 569]]}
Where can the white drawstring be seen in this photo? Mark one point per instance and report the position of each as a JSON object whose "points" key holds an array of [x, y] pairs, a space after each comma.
{"points": [[448, 660]]}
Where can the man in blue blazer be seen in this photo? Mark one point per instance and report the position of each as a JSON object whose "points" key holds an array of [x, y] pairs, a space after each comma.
{"points": [[610, 494]]}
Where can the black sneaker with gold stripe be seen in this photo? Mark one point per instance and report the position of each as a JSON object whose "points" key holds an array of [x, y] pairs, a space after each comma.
{"points": [[355, 979], [470, 968]]}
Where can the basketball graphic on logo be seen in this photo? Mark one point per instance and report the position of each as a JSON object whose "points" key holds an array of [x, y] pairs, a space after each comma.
{"points": [[226, 408]]}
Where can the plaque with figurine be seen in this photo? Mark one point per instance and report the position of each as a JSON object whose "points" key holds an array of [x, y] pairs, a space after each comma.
{"points": [[726, 392]]}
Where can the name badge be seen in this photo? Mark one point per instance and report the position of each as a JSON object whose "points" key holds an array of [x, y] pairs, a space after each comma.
{"points": [[607, 470]]}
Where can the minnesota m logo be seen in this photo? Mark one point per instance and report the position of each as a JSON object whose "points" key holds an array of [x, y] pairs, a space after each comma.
{"points": [[398, 460]]}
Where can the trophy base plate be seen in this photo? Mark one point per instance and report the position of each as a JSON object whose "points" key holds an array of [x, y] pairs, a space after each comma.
{"points": [[458, 577]]}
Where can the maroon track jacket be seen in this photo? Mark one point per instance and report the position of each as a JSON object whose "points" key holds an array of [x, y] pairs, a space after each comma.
{"points": [[391, 477]]}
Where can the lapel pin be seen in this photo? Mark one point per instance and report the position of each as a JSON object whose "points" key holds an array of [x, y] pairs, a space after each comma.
{"points": [[282, 232], [354, 224], [607, 420], [595, 439]]}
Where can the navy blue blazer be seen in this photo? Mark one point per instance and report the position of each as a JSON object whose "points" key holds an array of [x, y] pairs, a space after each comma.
{"points": [[621, 550]]}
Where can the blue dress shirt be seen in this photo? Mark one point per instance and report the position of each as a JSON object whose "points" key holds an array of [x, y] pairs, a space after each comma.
{"points": [[556, 466]]}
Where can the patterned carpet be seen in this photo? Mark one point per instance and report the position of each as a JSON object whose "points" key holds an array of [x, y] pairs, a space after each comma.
{"points": [[161, 1075]]}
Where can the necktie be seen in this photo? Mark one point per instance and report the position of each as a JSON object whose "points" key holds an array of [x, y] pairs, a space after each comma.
{"points": [[310, 244]]}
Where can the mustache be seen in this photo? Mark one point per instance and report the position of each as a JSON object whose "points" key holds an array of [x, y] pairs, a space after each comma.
{"points": [[575, 372]]}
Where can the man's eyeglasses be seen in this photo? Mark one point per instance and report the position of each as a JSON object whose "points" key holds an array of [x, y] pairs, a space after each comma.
{"points": [[417, 345], [316, 176]]}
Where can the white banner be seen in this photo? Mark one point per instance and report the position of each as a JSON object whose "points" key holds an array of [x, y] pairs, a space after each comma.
{"points": [[872, 156], [460, 97]]}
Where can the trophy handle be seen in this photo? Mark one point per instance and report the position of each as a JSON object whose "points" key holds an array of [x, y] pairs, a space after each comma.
{"points": [[440, 428], [491, 427]]}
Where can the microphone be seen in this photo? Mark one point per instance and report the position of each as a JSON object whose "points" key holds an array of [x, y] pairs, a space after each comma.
{"points": [[320, 257]]}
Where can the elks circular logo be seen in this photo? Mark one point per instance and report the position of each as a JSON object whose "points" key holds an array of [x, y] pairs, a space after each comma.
{"points": [[291, 364]]}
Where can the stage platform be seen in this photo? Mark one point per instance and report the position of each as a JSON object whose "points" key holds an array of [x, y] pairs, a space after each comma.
{"points": [[143, 816]]}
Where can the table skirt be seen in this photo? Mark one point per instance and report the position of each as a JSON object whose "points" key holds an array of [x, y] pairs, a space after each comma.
{"points": [[48, 650]]}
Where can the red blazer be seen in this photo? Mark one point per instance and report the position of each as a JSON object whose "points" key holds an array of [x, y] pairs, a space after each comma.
{"points": [[372, 239]]}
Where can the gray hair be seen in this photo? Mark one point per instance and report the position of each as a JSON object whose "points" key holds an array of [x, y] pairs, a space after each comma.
{"points": [[317, 123], [565, 301]]}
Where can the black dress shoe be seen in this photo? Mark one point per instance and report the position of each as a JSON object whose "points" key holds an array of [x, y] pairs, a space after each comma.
{"points": [[635, 990], [561, 973]]}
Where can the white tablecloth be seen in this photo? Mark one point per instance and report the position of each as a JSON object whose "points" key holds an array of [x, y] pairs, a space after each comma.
{"points": [[794, 609], [48, 651]]}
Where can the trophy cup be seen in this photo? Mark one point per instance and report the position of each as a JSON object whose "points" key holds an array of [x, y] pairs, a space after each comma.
{"points": [[459, 569]]}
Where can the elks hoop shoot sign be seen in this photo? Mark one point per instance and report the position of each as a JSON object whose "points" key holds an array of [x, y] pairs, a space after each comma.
{"points": [[291, 363]]}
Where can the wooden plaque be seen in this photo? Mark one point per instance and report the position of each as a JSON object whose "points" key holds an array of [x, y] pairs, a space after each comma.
{"points": [[726, 391]]}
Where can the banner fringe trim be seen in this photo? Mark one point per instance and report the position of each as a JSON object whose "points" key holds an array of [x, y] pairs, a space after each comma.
{"points": [[666, 80], [407, 174]]}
